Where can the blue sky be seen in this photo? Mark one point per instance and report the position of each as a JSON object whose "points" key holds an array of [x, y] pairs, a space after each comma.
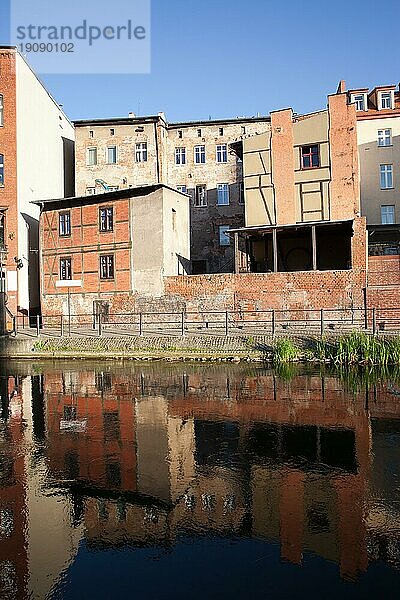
{"points": [[224, 58]]}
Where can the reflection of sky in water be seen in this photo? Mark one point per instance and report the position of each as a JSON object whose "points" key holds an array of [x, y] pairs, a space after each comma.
{"points": [[177, 480]]}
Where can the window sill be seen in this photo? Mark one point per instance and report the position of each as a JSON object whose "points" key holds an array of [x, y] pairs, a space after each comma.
{"points": [[386, 189]]}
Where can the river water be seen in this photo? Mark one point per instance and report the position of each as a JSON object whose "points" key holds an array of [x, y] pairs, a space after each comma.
{"points": [[129, 480]]}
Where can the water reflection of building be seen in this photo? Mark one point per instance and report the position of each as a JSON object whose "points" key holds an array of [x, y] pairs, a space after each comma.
{"points": [[142, 457], [13, 551]]}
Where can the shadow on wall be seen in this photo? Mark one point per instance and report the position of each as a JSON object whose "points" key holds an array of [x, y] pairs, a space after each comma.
{"points": [[69, 167], [210, 210], [184, 265], [33, 264]]}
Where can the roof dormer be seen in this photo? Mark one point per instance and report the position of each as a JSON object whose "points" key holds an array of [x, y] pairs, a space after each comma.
{"points": [[359, 98]]}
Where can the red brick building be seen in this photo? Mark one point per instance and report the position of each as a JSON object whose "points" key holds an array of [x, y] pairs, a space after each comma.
{"points": [[99, 252], [32, 125]]}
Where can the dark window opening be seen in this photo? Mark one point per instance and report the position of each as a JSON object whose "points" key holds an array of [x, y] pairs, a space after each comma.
{"points": [[333, 247], [310, 157]]}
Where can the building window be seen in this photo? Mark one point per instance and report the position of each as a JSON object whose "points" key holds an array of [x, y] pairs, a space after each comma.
{"points": [[107, 266], [387, 215], [112, 132], [199, 155], [180, 156], [241, 192], [386, 100], [222, 194], [201, 196], [182, 188], [106, 219], [112, 155], [384, 137], [359, 101], [1, 169], [64, 223], [224, 239], [180, 134], [92, 156], [91, 133], [222, 153], [199, 133], [309, 157], [221, 131], [173, 219], [65, 269], [1, 111], [243, 129], [141, 152], [386, 177]]}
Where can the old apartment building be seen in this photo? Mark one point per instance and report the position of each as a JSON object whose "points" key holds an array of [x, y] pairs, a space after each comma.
{"points": [[378, 131], [99, 252], [193, 157], [304, 243], [36, 162]]}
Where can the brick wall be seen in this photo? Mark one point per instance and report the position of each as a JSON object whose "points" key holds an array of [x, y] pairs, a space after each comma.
{"points": [[8, 147], [383, 281], [345, 183], [84, 246], [281, 291]]}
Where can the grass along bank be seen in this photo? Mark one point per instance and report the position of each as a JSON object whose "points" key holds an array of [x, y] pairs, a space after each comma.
{"points": [[356, 348]]}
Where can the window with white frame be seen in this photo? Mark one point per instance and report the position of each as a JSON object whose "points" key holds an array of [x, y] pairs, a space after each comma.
{"points": [[222, 153], [180, 156], [112, 155], [222, 194], [384, 137], [64, 223], [224, 239], [359, 101], [386, 100], [66, 269], [141, 152], [387, 214], [1, 169], [106, 219], [199, 155], [200, 198], [91, 157], [386, 172], [107, 266], [182, 188], [1, 110]]}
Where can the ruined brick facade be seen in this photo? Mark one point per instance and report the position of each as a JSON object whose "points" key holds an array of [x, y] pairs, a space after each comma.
{"points": [[163, 141]]}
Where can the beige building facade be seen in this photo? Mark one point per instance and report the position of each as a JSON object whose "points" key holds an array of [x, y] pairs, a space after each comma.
{"points": [[301, 192], [378, 131], [193, 157]]}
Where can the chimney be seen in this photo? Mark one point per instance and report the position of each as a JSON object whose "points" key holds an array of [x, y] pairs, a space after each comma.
{"points": [[132, 115], [341, 87]]}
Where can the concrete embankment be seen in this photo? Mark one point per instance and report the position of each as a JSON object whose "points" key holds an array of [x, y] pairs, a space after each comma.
{"points": [[196, 348]]}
